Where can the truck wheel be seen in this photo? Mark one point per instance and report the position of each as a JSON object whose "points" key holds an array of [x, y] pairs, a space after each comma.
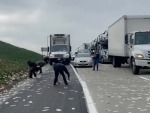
{"points": [[102, 61], [114, 62], [50, 62], [118, 64], [68, 62], [135, 69]]}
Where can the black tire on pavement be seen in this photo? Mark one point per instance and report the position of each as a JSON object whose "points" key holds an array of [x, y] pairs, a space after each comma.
{"points": [[50, 62], [135, 69], [114, 62], [102, 60], [118, 64]]}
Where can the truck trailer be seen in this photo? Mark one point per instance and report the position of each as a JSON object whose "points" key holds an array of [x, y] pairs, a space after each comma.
{"points": [[103, 47], [129, 42], [60, 48], [84, 48]]}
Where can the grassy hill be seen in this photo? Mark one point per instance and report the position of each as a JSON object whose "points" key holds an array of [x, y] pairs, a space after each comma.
{"points": [[14, 60]]}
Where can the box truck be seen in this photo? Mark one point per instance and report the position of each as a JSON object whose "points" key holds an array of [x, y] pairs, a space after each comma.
{"points": [[129, 42], [60, 48]]}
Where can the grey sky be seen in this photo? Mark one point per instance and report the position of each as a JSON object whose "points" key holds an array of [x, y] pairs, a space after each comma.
{"points": [[27, 23]]}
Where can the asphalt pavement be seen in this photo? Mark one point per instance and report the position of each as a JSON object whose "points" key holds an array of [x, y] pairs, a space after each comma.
{"points": [[38, 95], [117, 90]]}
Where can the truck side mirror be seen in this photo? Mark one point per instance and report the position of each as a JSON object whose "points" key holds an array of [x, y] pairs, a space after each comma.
{"points": [[126, 39]]}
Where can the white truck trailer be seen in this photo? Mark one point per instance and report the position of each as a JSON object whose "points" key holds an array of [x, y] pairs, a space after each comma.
{"points": [[129, 42], [84, 48], [60, 48]]}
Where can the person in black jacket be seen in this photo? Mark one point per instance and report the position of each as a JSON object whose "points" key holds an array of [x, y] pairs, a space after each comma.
{"points": [[96, 60], [40, 64], [60, 68], [33, 68]]}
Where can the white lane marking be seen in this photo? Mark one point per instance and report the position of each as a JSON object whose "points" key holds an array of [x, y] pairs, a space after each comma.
{"points": [[144, 78], [90, 104]]}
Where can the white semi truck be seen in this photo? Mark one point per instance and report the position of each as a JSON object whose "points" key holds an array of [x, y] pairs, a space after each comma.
{"points": [[60, 48], [129, 42]]}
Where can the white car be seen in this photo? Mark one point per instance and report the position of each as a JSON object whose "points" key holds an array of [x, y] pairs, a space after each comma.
{"points": [[82, 59]]}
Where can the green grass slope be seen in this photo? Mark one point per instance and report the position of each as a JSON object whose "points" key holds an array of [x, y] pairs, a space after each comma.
{"points": [[14, 59]]}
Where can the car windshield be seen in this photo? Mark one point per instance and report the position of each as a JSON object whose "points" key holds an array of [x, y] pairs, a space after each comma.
{"points": [[83, 55], [142, 38], [59, 48]]}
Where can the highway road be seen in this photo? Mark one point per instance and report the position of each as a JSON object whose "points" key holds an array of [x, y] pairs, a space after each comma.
{"points": [[38, 95], [108, 90], [117, 90]]}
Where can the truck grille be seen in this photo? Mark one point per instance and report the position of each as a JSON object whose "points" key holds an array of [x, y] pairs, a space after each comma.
{"points": [[148, 54], [59, 55], [82, 61]]}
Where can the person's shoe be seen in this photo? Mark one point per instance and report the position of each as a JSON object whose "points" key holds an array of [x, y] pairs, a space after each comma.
{"points": [[68, 79], [58, 82], [93, 69], [54, 85], [67, 84]]}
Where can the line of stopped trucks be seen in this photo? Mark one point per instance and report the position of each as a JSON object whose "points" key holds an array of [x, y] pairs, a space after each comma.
{"points": [[126, 41]]}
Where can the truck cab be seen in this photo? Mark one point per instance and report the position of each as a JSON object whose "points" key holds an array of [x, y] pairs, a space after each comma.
{"points": [[138, 45], [60, 48]]}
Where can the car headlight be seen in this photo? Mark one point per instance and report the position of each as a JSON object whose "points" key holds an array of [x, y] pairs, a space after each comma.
{"points": [[76, 60], [51, 56], [139, 56], [66, 55], [90, 60]]}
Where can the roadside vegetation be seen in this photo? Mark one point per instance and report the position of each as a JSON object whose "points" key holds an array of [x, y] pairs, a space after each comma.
{"points": [[13, 61]]}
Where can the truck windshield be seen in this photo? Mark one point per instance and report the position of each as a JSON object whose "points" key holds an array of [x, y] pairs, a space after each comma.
{"points": [[142, 38], [59, 48]]}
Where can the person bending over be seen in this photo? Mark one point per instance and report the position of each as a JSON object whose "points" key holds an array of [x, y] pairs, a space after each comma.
{"points": [[60, 68]]}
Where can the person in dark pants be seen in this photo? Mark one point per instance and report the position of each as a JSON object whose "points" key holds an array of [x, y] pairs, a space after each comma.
{"points": [[33, 68], [95, 60], [40, 64], [60, 68]]}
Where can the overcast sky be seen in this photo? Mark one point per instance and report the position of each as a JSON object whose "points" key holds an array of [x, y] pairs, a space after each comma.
{"points": [[28, 23]]}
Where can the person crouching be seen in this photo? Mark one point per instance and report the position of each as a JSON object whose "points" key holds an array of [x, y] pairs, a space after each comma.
{"points": [[60, 68], [33, 68]]}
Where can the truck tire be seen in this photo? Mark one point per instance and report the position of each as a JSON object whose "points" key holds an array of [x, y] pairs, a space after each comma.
{"points": [[68, 62], [114, 62], [51, 62], [135, 69], [119, 64], [102, 60]]}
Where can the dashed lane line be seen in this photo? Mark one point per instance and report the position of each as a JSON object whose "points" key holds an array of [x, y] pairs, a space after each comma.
{"points": [[144, 78]]}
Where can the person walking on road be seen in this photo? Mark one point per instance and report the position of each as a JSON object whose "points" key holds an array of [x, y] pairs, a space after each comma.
{"points": [[60, 68], [95, 60]]}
